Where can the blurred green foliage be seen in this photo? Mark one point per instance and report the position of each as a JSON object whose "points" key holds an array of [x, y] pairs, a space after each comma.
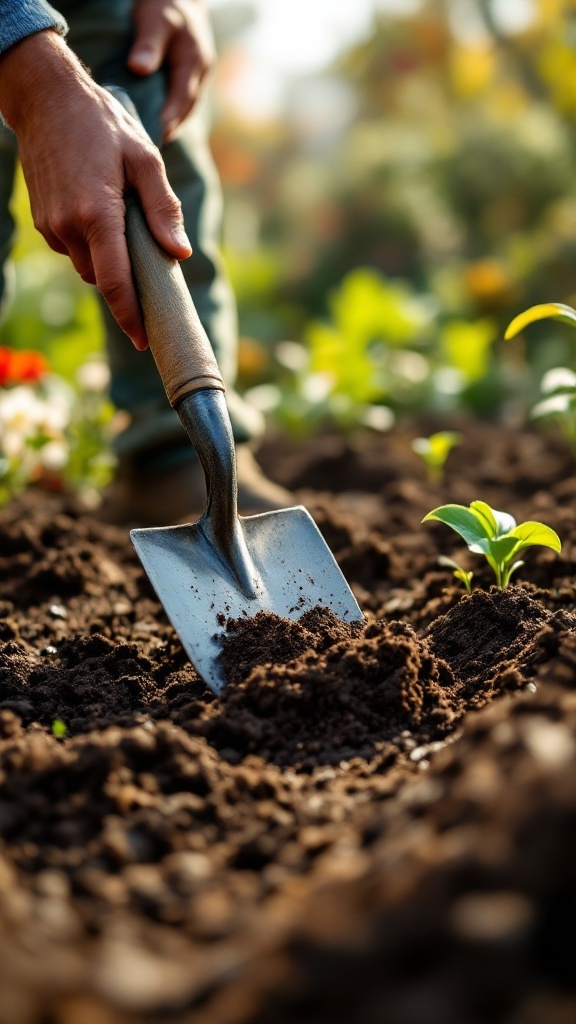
{"points": [[49, 307], [383, 228]]}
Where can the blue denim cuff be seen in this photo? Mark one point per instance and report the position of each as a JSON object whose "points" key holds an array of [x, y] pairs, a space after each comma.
{"points": [[21, 18]]}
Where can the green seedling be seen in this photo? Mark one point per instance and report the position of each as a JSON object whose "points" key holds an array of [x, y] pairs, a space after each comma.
{"points": [[464, 575], [434, 451], [59, 729], [495, 535]]}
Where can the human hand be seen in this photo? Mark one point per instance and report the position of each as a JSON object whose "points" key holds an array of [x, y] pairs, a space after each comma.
{"points": [[80, 151], [176, 33]]}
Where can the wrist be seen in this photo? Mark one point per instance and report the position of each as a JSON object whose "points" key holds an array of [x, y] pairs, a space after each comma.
{"points": [[32, 70]]}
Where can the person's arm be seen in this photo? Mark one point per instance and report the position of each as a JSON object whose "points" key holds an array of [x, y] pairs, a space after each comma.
{"points": [[79, 152], [20, 18], [175, 34]]}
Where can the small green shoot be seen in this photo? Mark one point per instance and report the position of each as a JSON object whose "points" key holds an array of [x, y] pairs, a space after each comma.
{"points": [[464, 575], [434, 451], [495, 535], [59, 729]]}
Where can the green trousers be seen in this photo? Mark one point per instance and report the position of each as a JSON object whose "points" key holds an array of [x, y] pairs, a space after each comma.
{"points": [[101, 34]]}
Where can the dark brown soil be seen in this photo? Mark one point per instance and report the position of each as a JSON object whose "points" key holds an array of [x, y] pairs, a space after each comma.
{"points": [[375, 825]]}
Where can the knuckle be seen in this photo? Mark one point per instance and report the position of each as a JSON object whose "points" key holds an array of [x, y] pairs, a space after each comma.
{"points": [[86, 213]]}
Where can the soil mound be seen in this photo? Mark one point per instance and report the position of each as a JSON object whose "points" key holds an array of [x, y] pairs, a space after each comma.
{"points": [[491, 640], [327, 705], [318, 691]]}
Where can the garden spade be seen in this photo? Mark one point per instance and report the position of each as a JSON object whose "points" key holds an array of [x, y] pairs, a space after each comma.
{"points": [[223, 566]]}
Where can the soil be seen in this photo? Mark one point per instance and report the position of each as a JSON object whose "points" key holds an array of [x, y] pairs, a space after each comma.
{"points": [[376, 824]]}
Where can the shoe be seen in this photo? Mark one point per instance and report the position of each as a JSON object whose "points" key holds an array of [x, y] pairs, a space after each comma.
{"points": [[178, 494]]}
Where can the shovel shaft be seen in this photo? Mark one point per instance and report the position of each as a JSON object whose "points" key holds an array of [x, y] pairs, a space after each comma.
{"points": [[178, 341], [193, 384], [192, 381]]}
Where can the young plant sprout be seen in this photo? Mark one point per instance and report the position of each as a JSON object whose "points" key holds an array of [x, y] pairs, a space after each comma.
{"points": [[464, 575], [494, 535], [434, 451], [59, 729]]}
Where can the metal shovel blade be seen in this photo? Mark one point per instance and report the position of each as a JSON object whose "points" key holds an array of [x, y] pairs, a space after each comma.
{"points": [[294, 570]]}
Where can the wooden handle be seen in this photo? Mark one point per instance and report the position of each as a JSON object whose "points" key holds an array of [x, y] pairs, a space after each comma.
{"points": [[178, 341]]}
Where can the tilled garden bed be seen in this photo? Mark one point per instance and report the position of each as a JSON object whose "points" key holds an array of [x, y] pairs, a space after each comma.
{"points": [[375, 825]]}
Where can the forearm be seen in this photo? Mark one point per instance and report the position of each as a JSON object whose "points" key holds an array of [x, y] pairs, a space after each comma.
{"points": [[30, 70], [21, 18]]}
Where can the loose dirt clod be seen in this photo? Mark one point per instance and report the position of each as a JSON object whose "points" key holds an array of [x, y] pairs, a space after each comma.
{"points": [[269, 639]]}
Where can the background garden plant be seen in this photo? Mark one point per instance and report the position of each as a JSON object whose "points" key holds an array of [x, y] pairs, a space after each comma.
{"points": [[434, 450], [558, 385], [51, 432]]}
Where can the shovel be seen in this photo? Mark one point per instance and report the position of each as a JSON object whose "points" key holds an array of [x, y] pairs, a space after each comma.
{"points": [[223, 566]]}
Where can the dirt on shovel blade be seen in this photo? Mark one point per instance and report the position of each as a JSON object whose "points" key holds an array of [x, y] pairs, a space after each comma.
{"points": [[377, 822]]}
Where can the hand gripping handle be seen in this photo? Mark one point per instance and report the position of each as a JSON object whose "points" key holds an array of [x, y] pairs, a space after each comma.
{"points": [[178, 341]]}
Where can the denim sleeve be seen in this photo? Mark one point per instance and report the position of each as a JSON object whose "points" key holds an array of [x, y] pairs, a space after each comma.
{"points": [[20, 18]]}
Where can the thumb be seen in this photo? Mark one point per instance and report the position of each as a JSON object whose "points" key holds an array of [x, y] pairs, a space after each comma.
{"points": [[149, 48]]}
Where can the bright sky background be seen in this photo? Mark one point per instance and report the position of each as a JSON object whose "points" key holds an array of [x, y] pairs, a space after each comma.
{"points": [[297, 37]]}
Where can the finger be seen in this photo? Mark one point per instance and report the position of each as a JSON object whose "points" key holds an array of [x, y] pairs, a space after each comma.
{"points": [[153, 34], [79, 253], [183, 89], [113, 276], [161, 206]]}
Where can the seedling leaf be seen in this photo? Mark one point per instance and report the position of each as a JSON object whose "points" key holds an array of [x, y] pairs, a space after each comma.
{"points": [[559, 378], [463, 520], [545, 311], [499, 548], [561, 404], [513, 567], [531, 533]]}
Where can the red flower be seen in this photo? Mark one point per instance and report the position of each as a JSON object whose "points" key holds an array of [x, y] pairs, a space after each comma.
{"points": [[5, 356], [21, 367]]}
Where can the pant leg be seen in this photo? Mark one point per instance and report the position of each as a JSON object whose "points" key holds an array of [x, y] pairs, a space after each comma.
{"points": [[101, 35], [8, 156]]}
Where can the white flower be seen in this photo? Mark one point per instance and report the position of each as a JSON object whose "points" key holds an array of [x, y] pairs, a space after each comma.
{"points": [[12, 444], [53, 455], [21, 411]]}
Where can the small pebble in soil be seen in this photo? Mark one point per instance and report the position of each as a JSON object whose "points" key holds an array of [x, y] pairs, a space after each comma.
{"points": [[58, 611]]}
